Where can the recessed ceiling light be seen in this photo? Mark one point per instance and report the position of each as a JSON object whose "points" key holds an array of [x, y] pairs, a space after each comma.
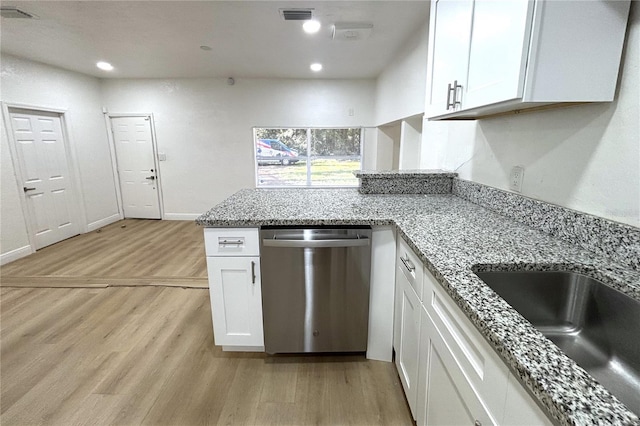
{"points": [[207, 48], [311, 26], [105, 66], [316, 67]]}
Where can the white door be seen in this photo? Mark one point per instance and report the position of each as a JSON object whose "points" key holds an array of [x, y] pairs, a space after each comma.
{"points": [[137, 172], [44, 174]]}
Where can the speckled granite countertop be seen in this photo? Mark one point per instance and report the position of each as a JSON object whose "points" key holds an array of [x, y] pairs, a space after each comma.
{"points": [[403, 174], [452, 236]]}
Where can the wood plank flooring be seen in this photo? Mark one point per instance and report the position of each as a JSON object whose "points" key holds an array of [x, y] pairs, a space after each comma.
{"points": [[95, 330], [145, 355], [130, 252]]}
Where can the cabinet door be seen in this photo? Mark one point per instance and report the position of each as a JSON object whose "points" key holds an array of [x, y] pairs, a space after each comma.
{"points": [[423, 369], [408, 337], [520, 408], [236, 300], [450, 398], [498, 51], [450, 30]]}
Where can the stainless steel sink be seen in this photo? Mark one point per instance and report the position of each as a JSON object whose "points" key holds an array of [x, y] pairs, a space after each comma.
{"points": [[596, 326]]}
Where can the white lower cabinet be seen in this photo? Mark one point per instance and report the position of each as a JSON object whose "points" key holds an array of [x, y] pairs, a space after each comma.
{"points": [[519, 408], [235, 288], [449, 396], [450, 373], [408, 305], [450, 400], [407, 341], [236, 300]]}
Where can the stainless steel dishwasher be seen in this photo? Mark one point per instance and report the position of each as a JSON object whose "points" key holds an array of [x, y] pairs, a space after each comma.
{"points": [[315, 288]]}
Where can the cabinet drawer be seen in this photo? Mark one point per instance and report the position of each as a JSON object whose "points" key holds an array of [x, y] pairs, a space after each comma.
{"points": [[482, 367], [231, 241], [410, 265]]}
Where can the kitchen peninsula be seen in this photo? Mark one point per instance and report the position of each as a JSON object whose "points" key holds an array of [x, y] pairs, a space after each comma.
{"points": [[454, 236]]}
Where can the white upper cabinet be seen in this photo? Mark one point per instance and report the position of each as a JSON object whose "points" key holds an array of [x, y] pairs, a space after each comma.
{"points": [[447, 66], [497, 54], [492, 56]]}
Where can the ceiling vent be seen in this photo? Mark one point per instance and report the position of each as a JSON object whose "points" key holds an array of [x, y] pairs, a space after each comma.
{"points": [[351, 31], [296, 14], [14, 12]]}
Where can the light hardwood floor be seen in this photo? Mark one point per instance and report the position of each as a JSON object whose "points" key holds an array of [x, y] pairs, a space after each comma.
{"points": [[145, 355], [128, 252]]}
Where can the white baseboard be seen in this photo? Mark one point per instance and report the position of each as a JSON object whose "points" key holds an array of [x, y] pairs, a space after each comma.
{"points": [[16, 254], [103, 222], [181, 216]]}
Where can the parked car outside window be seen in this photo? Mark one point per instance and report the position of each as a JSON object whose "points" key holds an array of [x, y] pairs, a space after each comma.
{"points": [[273, 151]]}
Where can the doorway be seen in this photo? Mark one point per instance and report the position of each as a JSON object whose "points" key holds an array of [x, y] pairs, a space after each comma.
{"points": [[44, 173], [136, 166]]}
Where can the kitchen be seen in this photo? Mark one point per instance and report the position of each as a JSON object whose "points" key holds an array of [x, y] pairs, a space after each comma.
{"points": [[584, 157]]}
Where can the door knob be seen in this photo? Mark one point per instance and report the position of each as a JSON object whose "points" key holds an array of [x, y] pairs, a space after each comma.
{"points": [[25, 189]]}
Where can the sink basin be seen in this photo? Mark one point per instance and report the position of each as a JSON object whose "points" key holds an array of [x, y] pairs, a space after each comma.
{"points": [[595, 325]]}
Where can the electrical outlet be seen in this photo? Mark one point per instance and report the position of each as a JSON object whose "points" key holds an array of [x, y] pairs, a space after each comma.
{"points": [[515, 178]]}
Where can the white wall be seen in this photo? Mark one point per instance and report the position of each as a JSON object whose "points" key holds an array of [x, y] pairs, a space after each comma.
{"points": [[370, 149], [41, 86], [14, 241], [205, 126], [400, 88], [585, 157], [388, 155], [410, 143]]}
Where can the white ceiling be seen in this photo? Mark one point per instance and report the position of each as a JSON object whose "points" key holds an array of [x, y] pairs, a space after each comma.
{"points": [[162, 39]]}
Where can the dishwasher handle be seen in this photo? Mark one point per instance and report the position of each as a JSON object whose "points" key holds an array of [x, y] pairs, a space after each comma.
{"points": [[340, 242]]}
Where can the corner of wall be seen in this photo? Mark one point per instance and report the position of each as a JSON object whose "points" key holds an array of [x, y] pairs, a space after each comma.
{"points": [[400, 88]]}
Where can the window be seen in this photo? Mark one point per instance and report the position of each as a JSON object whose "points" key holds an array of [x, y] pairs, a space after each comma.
{"points": [[307, 157]]}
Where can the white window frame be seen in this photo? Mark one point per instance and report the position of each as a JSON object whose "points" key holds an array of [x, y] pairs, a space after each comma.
{"points": [[308, 155]]}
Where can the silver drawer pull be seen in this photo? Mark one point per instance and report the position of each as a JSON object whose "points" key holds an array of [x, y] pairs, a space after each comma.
{"points": [[408, 264], [253, 272], [225, 242]]}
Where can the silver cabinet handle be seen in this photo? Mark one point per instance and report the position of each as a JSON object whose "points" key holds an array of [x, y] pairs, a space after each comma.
{"points": [[449, 103], [253, 272], [456, 86], [408, 264], [151, 178], [25, 189], [224, 243]]}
